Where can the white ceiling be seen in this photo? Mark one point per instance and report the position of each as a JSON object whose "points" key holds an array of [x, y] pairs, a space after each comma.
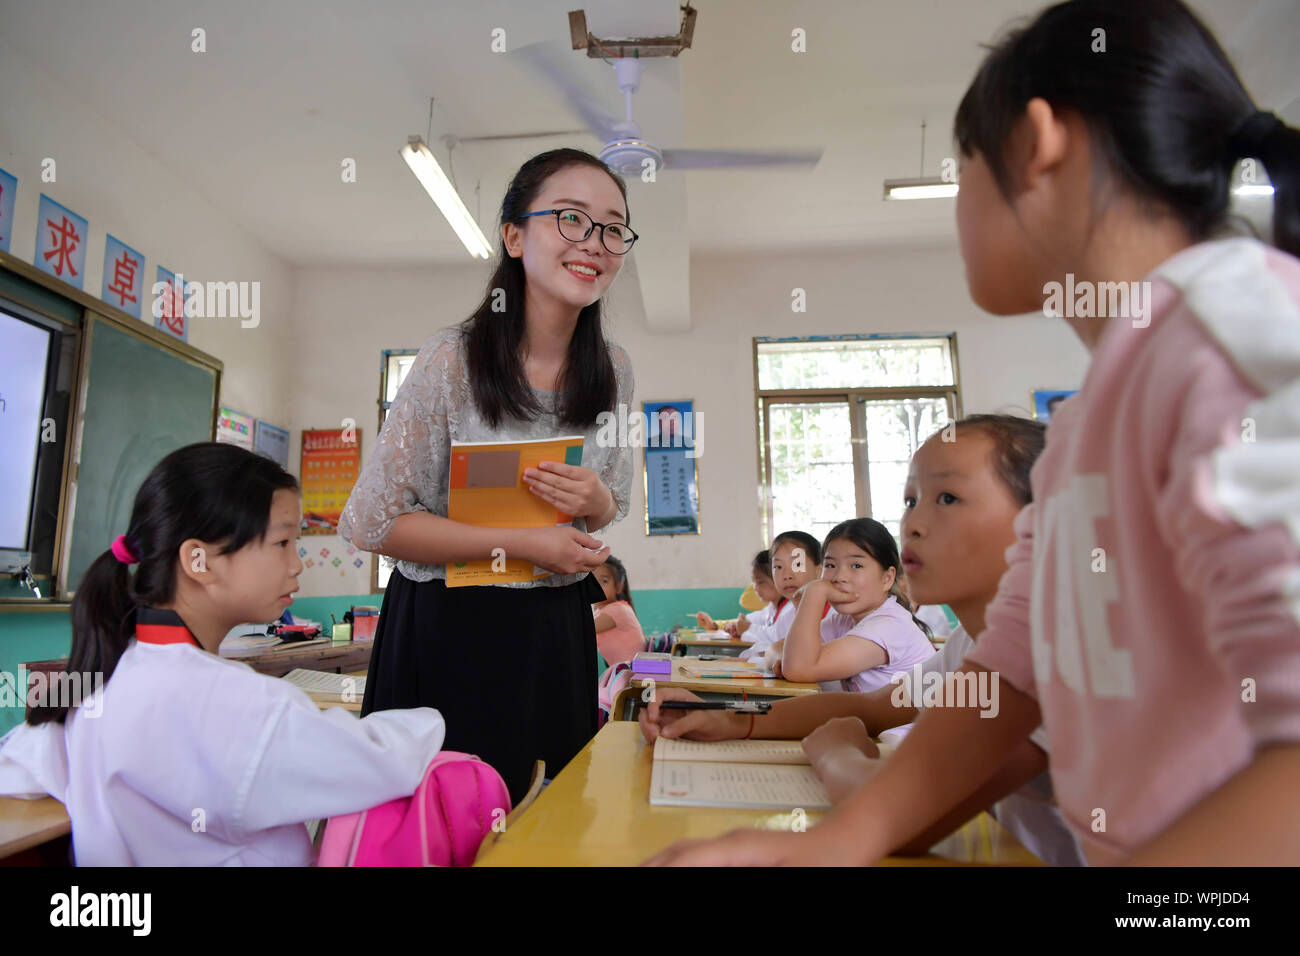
{"points": [[260, 122]]}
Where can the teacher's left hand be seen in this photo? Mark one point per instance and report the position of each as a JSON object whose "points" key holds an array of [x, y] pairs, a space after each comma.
{"points": [[571, 488]]}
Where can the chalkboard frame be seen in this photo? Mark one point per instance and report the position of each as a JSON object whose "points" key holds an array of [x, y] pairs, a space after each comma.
{"points": [[91, 310]]}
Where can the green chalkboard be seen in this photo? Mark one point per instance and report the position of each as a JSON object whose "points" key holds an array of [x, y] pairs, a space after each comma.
{"points": [[140, 402]]}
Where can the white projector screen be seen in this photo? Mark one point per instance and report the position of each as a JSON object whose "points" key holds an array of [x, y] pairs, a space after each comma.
{"points": [[24, 356]]}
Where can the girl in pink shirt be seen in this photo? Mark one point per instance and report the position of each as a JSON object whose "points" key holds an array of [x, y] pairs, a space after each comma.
{"points": [[1149, 616], [618, 632]]}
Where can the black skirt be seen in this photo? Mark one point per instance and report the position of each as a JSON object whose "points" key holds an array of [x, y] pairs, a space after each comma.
{"points": [[512, 670]]}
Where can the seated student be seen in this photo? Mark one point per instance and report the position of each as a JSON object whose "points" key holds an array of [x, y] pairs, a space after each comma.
{"points": [[962, 498], [760, 574], [618, 632], [796, 560], [870, 635], [181, 757], [1169, 684]]}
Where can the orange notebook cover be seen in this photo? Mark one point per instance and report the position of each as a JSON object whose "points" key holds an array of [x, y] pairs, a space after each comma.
{"points": [[487, 489]]}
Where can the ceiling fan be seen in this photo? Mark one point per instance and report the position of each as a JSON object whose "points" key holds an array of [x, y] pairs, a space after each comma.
{"points": [[626, 150]]}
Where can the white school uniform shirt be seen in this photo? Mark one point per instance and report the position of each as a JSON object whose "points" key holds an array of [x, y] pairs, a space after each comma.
{"points": [[932, 616], [765, 635], [1031, 813], [198, 761], [762, 617]]}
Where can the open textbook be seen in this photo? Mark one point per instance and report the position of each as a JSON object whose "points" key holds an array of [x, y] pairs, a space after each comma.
{"points": [[487, 489], [746, 774]]}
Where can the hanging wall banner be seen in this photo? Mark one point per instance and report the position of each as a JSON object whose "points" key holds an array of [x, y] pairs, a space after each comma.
{"points": [[331, 461], [234, 428], [61, 242], [8, 190], [168, 305], [272, 441], [123, 285], [671, 481]]}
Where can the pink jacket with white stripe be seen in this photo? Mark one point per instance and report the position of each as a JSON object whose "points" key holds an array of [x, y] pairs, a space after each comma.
{"points": [[1152, 603]]}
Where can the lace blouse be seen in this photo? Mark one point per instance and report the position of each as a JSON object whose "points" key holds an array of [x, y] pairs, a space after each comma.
{"points": [[409, 470]]}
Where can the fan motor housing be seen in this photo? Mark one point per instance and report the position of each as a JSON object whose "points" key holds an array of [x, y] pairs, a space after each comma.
{"points": [[628, 157]]}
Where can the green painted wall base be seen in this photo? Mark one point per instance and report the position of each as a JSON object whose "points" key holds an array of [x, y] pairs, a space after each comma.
{"points": [[44, 635]]}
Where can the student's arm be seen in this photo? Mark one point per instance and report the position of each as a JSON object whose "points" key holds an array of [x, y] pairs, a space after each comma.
{"points": [[902, 800], [807, 659], [789, 719], [1249, 821]]}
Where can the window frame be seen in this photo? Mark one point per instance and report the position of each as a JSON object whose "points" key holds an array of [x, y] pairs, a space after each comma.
{"points": [[853, 398], [383, 406]]}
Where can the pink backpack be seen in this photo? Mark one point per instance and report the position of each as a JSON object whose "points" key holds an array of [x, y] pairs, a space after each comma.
{"points": [[441, 824]]}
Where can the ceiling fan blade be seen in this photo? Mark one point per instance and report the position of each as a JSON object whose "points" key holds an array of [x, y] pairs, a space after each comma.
{"points": [[728, 159], [553, 63]]}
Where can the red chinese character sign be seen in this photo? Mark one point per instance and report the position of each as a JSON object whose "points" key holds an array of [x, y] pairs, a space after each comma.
{"points": [[331, 461], [123, 277], [168, 305], [61, 237], [8, 189]]}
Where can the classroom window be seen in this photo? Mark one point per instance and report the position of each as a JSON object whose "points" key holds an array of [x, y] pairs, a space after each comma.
{"points": [[394, 368], [839, 418]]}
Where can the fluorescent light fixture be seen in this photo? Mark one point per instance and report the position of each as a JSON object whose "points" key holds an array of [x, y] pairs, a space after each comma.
{"points": [[439, 187], [925, 187], [1247, 190]]}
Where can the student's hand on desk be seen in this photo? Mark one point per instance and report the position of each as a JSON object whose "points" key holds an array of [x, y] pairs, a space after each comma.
{"points": [[571, 488], [819, 846], [738, 627], [836, 733], [563, 550], [695, 724]]}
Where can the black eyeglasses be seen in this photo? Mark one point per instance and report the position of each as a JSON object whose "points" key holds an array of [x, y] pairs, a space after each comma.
{"points": [[575, 225]]}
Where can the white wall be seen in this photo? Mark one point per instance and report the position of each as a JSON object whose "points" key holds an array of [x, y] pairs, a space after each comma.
{"points": [[125, 188], [347, 316]]}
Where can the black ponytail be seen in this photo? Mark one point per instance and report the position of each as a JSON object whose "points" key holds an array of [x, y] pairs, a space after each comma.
{"points": [[209, 491], [1168, 114]]}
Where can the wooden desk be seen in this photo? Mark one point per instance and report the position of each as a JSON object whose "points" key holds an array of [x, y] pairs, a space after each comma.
{"points": [[625, 702], [597, 812], [695, 646], [337, 659], [27, 825]]}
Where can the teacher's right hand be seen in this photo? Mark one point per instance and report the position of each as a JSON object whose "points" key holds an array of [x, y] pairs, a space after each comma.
{"points": [[563, 550]]}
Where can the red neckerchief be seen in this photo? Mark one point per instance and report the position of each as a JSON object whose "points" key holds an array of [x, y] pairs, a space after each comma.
{"points": [[826, 610], [155, 626]]}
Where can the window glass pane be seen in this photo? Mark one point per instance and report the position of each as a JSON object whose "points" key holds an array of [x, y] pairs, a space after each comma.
{"points": [[895, 430], [812, 467], [398, 367], [855, 363]]}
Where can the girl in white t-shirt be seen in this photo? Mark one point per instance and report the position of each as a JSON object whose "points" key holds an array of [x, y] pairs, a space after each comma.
{"points": [[178, 756]]}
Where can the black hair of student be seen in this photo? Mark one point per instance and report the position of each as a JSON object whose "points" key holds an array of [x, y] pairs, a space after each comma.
{"points": [[494, 339], [622, 592], [875, 539], [1017, 443], [811, 546], [1168, 114], [211, 492], [763, 562]]}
